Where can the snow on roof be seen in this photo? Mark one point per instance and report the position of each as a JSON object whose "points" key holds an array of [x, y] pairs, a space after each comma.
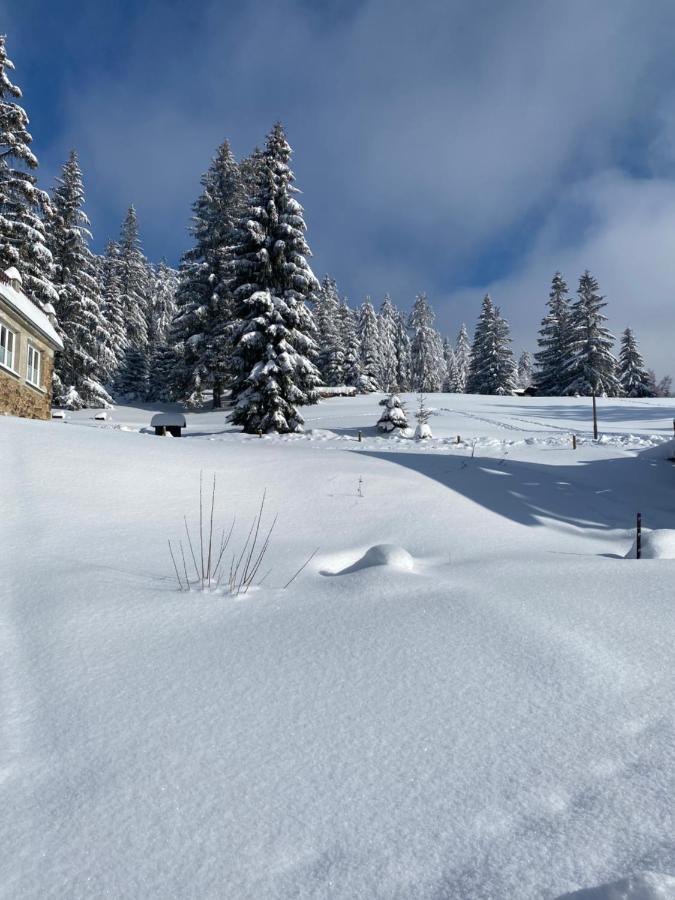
{"points": [[29, 311], [13, 274]]}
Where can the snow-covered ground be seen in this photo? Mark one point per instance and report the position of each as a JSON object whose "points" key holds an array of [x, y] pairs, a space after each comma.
{"points": [[484, 709]]}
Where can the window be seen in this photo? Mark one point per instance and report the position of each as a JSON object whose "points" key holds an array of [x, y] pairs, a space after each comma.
{"points": [[7, 343], [33, 366]]}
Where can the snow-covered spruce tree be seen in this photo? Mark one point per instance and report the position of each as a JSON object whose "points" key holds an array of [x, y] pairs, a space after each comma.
{"points": [[462, 356], [204, 323], [134, 273], [369, 337], [592, 368], [114, 343], [77, 306], [352, 347], [554, 357], [524, 369], [403, 357], [328, 336], [633, 377], [162, 357], [426, 350], [450, 380], [492, 370], [387, 328], [393, 417], [274, 352], [23, 207]]}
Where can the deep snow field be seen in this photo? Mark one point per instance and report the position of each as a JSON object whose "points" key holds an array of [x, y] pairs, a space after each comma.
{"points": [[485, 711]]}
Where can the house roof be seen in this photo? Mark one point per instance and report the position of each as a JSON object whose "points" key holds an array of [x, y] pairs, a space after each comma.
{"points": [[31, 313]]}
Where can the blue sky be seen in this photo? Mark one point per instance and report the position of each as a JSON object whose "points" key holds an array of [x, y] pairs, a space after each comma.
{"points": [[443, 146]]}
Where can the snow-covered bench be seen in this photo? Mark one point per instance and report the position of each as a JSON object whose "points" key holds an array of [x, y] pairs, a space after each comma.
{"points": [[174, 423]]}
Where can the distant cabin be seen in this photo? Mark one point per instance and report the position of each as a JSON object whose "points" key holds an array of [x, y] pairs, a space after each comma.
{"points": [[28, 342]]}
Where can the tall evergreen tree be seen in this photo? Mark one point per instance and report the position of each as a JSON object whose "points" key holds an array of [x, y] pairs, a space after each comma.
{"points": [[114, 343], [204, 323], [633, 377], [134, 282], [462, 356], [162, 356], [326, 319], [403, 355], [23, 207], [352, 347], [592, 368], [274, 351], [492, 370], [77, 306], [525, 369], [428, 365], [450, 380], [369, 336], [556, 342], [387, 328]]}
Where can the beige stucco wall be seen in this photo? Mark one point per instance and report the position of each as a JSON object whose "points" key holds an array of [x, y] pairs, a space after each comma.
{"points": [[17, 397]]}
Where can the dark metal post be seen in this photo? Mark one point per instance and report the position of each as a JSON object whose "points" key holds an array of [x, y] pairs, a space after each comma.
{"points": [[574, 442], [638, 539], [359, 437], [595, 419]]}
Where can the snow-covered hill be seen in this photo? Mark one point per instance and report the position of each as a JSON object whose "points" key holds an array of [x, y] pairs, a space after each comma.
{"points": [[481, 709]]}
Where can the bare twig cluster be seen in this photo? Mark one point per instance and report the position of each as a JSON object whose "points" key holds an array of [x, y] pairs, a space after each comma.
{"points": [[210, 565]]}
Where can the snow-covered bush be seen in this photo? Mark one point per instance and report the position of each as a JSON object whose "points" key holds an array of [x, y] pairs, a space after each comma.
{"points": [[393, 416], [422, 415]]}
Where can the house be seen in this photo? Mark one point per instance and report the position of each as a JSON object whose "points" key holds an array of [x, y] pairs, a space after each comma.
{"points": [[28, 342]]}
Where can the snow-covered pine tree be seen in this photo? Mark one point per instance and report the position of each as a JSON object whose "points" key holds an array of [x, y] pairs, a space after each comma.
{"points": [[369, 337], [113, 344], [403, 359], [492, 370], [393, 416], [450, 380], [326, 319], [592, 368], [554, 357], [134, 281], [633, 377], [428, 365], [462, 356], [274, 350], [78, 308], [23, 207], [524, 369], [387, 329], [352, 347], [204, 323], [162, 357]]}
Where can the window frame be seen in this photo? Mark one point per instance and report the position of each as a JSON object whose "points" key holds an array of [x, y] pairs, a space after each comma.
{"points": [[14, 336], [34, 353]]}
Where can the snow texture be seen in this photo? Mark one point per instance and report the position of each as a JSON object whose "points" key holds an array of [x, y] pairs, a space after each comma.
{"points": [[493, 720]]}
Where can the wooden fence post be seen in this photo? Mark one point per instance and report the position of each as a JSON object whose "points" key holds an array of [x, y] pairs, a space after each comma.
{"points": [[574, 442], [595, 419], [359, 437], [638, 538]]}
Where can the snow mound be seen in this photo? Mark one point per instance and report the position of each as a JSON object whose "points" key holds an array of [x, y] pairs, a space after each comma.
{"points": [[657, 544], [390, 555], [646, 886]]}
